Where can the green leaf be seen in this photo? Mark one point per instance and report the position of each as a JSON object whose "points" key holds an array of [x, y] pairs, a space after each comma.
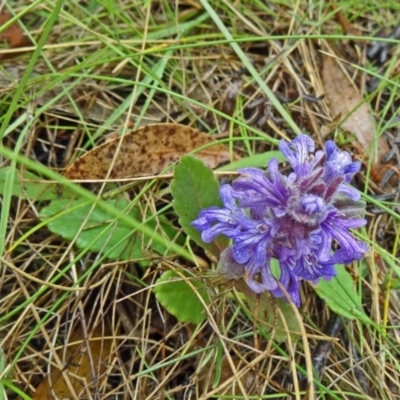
{"points": [[100, 232], [194, 188], [256, 160], [30, 186], [340, 295], [179, 298]]}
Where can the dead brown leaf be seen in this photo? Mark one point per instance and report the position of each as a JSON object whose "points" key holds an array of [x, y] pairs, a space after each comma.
{"points": [[85, 368], [13, 35], [345, 101], [147, 151]]}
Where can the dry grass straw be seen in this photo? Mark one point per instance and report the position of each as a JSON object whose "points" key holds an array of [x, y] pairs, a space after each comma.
{"points": [[92, 59]]}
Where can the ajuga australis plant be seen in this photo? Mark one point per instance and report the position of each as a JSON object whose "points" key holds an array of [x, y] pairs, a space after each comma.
{"points": [[302, 219]]}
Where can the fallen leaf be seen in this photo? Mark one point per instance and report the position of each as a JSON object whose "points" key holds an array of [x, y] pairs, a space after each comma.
{"points": [[13, 35], [147, 151], [85, 367], [347, 103]]}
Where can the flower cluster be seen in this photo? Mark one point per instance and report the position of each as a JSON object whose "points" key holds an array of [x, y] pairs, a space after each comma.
{"points": [[302, 220]]}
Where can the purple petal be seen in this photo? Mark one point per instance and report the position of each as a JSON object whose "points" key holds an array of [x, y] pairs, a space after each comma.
{"points": [[290, 282], [253, 189], [297, 153], [260, 279]]}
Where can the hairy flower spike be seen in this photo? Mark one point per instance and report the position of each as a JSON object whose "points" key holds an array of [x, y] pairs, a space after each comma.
{"points": [[302, 220]]}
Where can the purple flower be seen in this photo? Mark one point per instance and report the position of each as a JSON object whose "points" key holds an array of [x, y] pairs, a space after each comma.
{"points": [[302, 220]]}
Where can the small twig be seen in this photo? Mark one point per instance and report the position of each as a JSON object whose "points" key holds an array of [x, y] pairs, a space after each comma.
{"points": [[321, 352], [380, 49], [358, 372]]}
